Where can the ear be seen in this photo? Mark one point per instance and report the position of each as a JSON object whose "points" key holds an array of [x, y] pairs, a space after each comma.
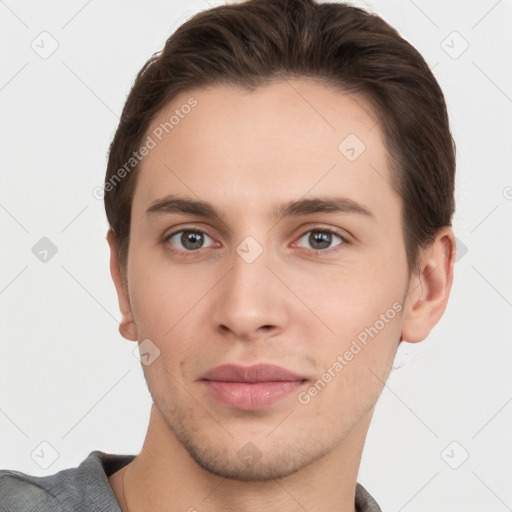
{"points": [[127, 327], [430, 287]]}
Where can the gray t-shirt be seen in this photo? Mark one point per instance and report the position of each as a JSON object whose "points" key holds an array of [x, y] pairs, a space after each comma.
{"points": [[86, 488]]}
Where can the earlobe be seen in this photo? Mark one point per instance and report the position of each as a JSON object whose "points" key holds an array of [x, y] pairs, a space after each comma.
{"points": [[430, 288], [127, 327]]}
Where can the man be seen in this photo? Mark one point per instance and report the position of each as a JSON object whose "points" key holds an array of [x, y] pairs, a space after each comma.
{"points": [[280, 195]]}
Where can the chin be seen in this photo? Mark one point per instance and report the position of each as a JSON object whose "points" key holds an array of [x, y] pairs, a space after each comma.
{"points": [[249, 454], [259, 467], [248, 458]]}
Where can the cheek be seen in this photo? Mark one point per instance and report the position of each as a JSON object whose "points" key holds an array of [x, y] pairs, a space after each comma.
{"points": [[168, 309], [360, 318], [347, 300], [353, 368], [164, 298]]}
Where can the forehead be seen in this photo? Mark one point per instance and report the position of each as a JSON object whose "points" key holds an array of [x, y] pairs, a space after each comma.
{"points": [[236, 147]]}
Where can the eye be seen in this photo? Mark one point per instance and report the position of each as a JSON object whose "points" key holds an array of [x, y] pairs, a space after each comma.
{"points": [[321, 239], [189, 240], [192, 240]]}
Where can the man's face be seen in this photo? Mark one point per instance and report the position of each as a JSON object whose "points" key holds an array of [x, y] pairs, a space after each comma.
{"points": [[318, 293]]}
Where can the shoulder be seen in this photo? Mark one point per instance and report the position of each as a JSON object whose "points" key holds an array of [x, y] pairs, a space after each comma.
{"points": [[364, 501], [84, 488], [19, 491]]}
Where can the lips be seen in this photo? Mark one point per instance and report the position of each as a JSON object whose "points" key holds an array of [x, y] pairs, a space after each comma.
{"points": [[252, 387], [257, 373]]}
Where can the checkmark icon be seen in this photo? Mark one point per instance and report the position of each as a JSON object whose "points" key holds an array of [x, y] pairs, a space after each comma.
{"points": [[44, 250], [45, 45], [44, 455], [450, 454], [454, 455], [249, 249], [351, 147], [454, 45], [146, 352]]}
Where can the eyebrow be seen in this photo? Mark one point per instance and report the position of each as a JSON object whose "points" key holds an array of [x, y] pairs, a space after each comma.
{"points": [[184, 206]]}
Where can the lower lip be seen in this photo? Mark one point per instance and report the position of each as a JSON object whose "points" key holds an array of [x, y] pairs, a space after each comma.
{"points": [[250, 395]]}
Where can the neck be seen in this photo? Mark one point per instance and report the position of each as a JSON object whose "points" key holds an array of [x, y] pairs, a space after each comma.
{"points": [[164, 477]]}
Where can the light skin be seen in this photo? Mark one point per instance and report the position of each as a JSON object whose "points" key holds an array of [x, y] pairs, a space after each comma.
{"points": [[299, 304]]}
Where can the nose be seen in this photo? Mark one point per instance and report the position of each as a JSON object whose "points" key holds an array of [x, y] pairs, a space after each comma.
{"points": [[250, 301]]}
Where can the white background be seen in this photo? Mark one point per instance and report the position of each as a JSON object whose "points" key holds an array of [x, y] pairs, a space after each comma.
{"points": [[69, 379]]}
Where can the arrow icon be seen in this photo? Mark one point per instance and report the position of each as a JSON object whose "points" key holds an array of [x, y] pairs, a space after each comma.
{"points": [[351, 151], [45, 253], [246, 248]]}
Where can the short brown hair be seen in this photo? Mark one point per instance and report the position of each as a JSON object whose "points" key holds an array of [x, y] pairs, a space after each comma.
{"points": [[252, 43]]}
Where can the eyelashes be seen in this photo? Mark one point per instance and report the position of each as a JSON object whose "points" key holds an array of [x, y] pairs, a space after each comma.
{"points": [[330, 235], [193, 240], [188, 236]]}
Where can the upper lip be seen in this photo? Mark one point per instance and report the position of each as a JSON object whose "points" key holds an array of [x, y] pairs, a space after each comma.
{"points": [[256, 373]]}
